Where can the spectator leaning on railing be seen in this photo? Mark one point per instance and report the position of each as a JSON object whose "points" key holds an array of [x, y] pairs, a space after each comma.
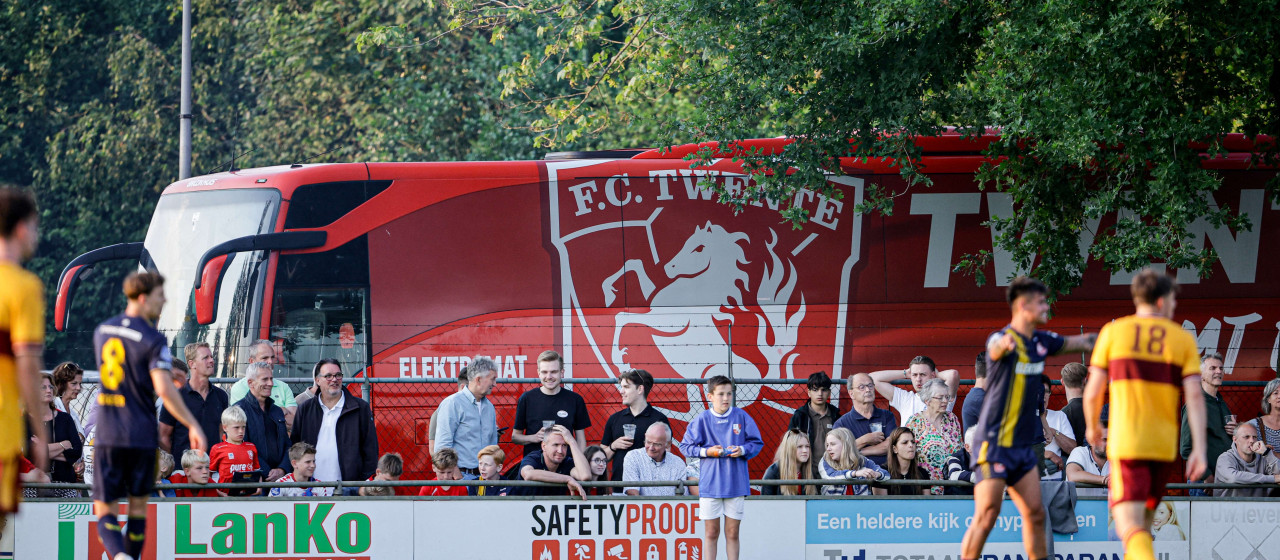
{"points": [[64, 447], [792, 461], [560, 461], [843, 462], [302, 456], [444, 462], [340, 426], [903, 464], [1087, 464], [958, 465], [654, 462], [1246, 462], [869, 425]]}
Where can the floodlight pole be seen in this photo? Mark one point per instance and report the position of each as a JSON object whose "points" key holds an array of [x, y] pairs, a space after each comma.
{"points": [[184, 110]]}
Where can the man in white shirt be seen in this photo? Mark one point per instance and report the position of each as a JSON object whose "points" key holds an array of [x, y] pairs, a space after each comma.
{"points": [[920, 370], [1086, 464], [654, 462], [340, 427], [1059, 438]]}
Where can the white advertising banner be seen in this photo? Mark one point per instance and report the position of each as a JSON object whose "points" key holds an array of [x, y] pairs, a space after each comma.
{"points": [[933, 530], [1236, 530], [561, 529], [226, 529]]}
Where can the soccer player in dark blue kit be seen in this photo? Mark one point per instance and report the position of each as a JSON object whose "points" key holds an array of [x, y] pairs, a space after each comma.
{"points": [[134, 363], [1009, 426]]}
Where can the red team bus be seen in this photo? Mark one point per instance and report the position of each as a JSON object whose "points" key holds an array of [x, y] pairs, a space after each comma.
{"points": [[619, 260]]}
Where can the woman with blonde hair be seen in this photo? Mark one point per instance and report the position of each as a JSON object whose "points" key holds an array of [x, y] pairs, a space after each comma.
{"points": [[842, 461], [1165, 525], [792, 461]]}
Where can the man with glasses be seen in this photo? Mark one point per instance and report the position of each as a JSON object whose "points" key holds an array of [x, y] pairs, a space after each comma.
{"points": [[870, 425], [340, 426], [652, 463]]}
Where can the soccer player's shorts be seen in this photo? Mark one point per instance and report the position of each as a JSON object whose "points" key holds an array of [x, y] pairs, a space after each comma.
{"points": [[1134, 480], [715, 508], [10, 483], [121, 472], [1007, 463]]}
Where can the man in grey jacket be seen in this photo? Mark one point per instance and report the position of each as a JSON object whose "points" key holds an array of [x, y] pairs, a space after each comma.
{"points": [[1247, 462]]}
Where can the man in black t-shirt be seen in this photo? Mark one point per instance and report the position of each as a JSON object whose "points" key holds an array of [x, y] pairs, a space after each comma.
{"points": [[549, 402], [558, 460], [634, 385]]}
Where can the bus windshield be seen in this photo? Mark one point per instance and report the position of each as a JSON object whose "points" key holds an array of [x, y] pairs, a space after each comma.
{"points": [[186, 225]]}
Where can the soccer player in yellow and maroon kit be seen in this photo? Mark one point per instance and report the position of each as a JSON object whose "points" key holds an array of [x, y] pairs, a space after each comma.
{"points": [[1146, 358], [21, 341]]}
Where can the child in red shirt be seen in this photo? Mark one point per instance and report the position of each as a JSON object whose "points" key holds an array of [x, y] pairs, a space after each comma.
{"points": [[235, 454], [445, 464], [195, 467]]}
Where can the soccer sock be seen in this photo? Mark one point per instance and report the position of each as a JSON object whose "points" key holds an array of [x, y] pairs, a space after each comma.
{"points": [[109, 533], [135, 534], [1137, 546]]}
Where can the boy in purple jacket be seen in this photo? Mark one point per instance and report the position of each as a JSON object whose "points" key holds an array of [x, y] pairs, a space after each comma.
{"points": [[724, 438]]}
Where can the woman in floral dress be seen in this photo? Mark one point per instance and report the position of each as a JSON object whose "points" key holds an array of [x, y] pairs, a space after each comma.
{"points": [[937, 431]]}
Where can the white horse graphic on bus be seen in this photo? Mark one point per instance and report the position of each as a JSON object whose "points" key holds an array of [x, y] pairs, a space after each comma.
{"points": [[708, 269]]}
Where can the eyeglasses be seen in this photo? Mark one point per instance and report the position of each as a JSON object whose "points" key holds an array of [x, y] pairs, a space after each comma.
{"points": [[865, 387], [600, 461], [329, 376]]}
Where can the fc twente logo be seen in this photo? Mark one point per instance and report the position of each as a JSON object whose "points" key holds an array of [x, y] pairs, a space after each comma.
{"points": [[657, 275]]}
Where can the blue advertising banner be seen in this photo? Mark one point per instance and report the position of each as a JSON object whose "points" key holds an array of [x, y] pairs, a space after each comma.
{"points": [[928, 521]]}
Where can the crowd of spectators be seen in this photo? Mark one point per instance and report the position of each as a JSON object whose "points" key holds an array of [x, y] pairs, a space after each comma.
{"points": [[326, 434]]}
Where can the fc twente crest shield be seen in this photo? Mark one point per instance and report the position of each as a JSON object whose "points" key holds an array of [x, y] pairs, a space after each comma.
{"points": [[655, 274]]}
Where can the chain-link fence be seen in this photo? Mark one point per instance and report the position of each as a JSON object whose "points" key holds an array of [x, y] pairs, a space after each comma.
{"points": [[403, 407]]}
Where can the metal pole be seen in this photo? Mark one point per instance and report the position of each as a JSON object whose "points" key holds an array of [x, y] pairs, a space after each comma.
{"points": [[733, 402], [184, 107]]}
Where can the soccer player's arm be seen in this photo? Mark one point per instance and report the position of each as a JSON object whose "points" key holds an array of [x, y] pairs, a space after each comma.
{"points": [[1095, 389], [1078, 344], [27, 334], [1197, 463], [162, 381]]}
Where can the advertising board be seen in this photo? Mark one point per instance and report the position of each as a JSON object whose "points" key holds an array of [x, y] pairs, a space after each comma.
{"points": [[933, 530], [599, 530]]}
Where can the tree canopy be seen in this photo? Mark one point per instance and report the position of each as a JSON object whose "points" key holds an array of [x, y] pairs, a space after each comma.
{"points": [[1103, 107]]}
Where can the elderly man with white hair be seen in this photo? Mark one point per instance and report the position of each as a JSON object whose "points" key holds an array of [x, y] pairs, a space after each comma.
{"points": [[654, 462], [264, 422]]}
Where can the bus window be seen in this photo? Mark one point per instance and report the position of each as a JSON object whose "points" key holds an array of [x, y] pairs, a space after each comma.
{"points": [[320, 309]]}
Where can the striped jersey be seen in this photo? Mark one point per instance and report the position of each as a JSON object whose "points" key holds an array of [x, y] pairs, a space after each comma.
{"points": [[1010, 414], [1146, 359], [21, 322]]}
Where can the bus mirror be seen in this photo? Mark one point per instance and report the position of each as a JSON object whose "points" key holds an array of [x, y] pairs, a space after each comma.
{"points": [[213, 264], [78, 268], [207, 284]]}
